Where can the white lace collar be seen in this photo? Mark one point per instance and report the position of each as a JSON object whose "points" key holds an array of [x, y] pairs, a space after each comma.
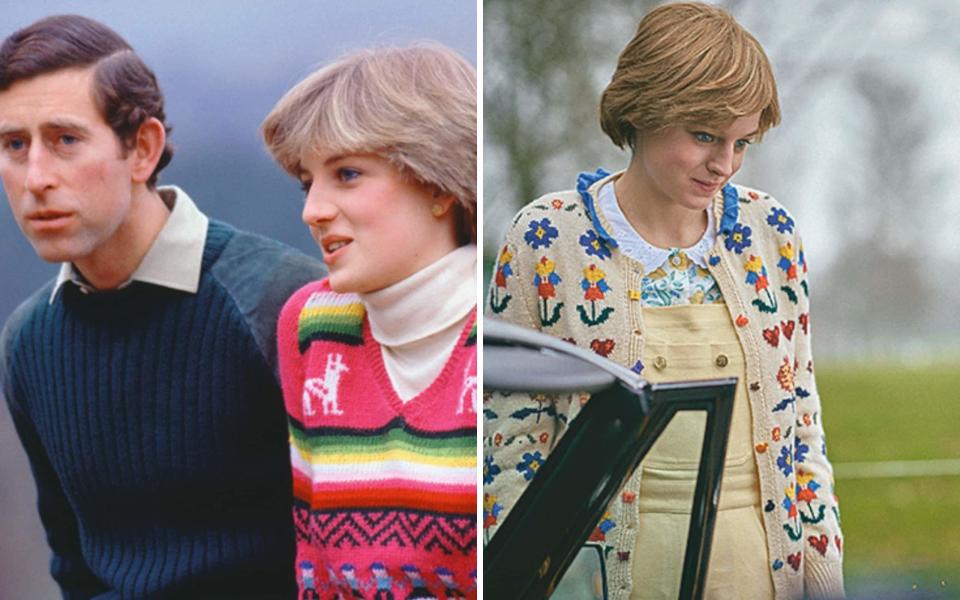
{"points": [[633, 244]]}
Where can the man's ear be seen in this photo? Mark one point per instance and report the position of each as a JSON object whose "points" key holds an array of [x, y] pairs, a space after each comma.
{"points": [[147, 149]]}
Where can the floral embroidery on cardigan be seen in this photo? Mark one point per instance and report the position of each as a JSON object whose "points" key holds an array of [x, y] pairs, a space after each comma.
{"points": [[754, 235]]}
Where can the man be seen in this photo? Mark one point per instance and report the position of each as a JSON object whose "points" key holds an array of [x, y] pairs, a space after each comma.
{"points": [[142, 381]]}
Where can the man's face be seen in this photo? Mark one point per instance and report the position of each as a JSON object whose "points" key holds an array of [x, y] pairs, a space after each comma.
{"points": [[64, 170]]}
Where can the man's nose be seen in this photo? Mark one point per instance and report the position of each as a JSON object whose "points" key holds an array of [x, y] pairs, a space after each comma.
{"points": [[40, 171]]}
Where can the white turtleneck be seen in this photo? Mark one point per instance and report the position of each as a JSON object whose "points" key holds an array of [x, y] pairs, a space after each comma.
{"points": [[417, 320]]}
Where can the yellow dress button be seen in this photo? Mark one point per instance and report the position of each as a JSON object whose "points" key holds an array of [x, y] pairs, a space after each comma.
{"points": [[660, 363], [722, 360]]}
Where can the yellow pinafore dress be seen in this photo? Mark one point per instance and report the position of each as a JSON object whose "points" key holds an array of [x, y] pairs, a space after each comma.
{"points": [[683, 343]]}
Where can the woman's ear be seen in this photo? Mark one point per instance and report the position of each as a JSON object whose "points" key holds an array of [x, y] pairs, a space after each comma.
{"points": [[147, 149], [441, 203]]}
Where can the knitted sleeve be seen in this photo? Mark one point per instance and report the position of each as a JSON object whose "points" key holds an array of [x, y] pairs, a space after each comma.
{"points": [[823, 540], [519, 430], [67, 565], [260, 274]]}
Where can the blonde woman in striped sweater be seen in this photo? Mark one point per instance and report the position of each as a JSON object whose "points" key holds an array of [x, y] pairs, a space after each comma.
{"points": [[378, 361]]}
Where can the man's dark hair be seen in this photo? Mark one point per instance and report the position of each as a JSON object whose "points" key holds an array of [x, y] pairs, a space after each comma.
{"points": [[124, 88]]}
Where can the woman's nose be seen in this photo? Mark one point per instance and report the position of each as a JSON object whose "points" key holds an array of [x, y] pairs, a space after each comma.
{"points": [[722, 162], [318, 207]]}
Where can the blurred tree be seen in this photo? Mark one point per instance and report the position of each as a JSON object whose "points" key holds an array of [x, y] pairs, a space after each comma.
{"points": [[545, 63]]}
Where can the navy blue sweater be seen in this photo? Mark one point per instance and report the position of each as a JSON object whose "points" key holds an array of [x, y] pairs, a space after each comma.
{"points": [[155, 428]]}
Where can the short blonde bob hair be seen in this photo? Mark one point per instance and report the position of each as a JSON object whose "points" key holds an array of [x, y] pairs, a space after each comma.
{"points": [[415, 106], [689, 63]]}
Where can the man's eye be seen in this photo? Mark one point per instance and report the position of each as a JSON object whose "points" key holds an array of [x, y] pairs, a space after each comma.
{"points": [[305, 186], [68, 140], [703, 137], [347, 174], [15, 144]]}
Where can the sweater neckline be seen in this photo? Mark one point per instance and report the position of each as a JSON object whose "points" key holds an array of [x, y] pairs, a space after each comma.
{"points": [[417, 403]]}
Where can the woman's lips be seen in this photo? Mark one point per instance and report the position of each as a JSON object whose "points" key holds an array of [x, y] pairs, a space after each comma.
{"points": [[706, 186]]}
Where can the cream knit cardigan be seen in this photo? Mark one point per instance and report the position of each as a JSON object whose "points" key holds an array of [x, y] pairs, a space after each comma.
{"points": [[546, 278]]}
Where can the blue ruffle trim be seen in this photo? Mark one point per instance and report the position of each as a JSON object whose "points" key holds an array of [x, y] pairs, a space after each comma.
{"points": [[731, 209], [584, 181]]}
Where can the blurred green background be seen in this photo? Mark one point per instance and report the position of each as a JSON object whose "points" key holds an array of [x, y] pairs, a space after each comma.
{"points": [[900, 531]]}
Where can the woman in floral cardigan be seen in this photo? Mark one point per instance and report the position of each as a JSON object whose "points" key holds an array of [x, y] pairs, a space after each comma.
{"points": [[672, 271]]}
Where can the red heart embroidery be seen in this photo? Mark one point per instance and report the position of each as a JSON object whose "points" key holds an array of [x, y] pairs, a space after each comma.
{"points": [[794, 560], [839, 543], [772, 335], [788, 327], [820, 543], [804, 322], [602, 347]]}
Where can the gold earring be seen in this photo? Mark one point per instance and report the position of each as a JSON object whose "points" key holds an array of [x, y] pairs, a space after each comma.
{"points": [[437, 210]]}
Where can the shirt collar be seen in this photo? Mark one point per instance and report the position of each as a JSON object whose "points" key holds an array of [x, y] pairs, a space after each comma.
{"points": [[635, 246], [173, 261]]}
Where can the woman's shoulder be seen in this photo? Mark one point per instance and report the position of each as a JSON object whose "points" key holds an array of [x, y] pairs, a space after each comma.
{"points": [[550, 217], [758, 209]]}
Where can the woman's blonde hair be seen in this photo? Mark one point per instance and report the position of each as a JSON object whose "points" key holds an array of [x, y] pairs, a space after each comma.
{"points": [[688, 63], [415, 106]]}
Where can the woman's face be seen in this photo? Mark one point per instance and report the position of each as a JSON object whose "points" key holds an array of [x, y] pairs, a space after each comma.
{"points": [[686, 165], [374, 226]]}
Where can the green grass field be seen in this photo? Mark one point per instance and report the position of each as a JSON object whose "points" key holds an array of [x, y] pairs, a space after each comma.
{"points": [[902, 534]]}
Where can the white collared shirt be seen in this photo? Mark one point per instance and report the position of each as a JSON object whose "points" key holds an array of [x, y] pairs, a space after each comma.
{"points": [[633, 244], [173, 261]]}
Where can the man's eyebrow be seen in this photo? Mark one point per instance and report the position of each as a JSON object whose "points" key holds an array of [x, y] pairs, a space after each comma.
{"points": [[66, 124], [6, 130], [55, 124]]}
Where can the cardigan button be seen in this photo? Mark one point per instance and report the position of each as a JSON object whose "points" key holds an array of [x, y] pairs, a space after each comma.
{"points": [[755, 386], [660, 363], [637, 332], [722, 360]]}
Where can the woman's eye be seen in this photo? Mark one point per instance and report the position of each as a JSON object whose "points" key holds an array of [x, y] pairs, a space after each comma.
{"points": [[703, 137], [347, 174], [742, 144]]}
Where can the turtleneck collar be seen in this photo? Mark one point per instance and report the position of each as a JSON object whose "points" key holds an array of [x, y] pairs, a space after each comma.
{"points": [[425, 303]]}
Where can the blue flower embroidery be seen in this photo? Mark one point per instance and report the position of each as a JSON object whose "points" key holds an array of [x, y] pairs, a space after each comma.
{"points": [[784, 462], [490, 470], [532, 461], [540, 233], [800, 452], [781, 220], [594, 245], [738, 238]]}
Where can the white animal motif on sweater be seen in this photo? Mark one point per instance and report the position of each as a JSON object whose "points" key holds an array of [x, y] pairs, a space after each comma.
{"points": [[469, 389], [325, 388]]}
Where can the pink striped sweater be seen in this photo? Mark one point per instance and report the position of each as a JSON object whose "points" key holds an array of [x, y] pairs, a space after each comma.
{"points": [[384, 491]]}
